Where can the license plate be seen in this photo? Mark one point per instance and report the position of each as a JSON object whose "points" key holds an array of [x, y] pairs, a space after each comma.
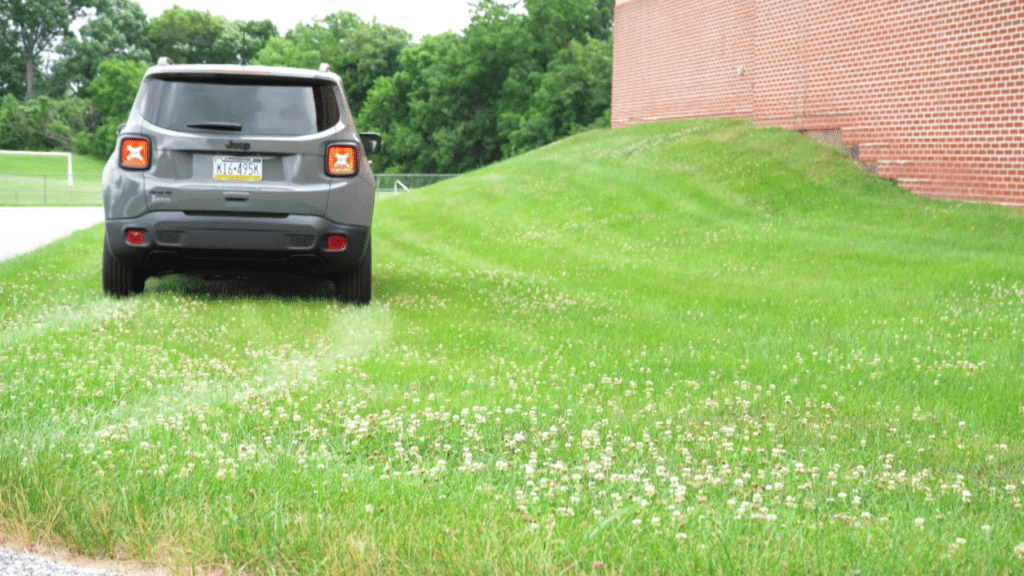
{"points": [[240, 169]]}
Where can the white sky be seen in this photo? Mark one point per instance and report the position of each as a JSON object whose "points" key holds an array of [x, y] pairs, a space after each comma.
{"points": [[418, 17]]}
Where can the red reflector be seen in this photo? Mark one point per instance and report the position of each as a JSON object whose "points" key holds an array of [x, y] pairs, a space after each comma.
{"points": [[135, 237], [135, 153], [341, 160], [336, 242]]}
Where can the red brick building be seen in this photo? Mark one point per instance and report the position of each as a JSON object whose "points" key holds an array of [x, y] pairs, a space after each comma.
{"points": [[926, 91]]}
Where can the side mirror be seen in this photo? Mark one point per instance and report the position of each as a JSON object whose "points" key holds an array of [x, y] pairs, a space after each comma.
{"points": [[372, 142]]}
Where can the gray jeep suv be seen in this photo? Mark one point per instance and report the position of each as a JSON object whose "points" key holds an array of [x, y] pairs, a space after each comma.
{"points": [[239, 168]]}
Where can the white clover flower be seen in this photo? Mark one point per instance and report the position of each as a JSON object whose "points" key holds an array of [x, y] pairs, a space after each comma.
{"points": [[919, 522], [1019, 551], [966, 496]]}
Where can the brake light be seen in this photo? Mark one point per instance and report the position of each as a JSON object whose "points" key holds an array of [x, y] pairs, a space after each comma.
{"points": [[341, 160], [135, 153], [336, 242], [135, 237]]}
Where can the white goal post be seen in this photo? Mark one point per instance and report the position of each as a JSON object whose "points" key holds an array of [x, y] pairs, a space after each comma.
{"points": [[71, 179]]}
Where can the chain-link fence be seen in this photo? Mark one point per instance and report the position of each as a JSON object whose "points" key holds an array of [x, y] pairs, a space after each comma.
{"points": [[41, 189], [399, 183]]}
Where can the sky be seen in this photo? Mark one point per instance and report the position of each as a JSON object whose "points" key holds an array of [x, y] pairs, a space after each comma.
{"points": [[418, 17]]}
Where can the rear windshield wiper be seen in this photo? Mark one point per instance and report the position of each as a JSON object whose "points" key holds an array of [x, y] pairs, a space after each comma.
{"points": [[230, 126]]}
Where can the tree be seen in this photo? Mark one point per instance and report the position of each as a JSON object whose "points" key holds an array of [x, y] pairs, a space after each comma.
{"points": [[185, 36], [554, 24], [305, 46], [12, 71], [436, 113], [358, 51], [41, 123], [112, 94], [13, 124], [370, 50], [120, 31], [241, 40], [32, 26], [573, 95]]}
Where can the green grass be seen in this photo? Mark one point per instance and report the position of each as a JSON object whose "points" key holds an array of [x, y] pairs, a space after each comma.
{"points": [[682, 348], [42, 180]]}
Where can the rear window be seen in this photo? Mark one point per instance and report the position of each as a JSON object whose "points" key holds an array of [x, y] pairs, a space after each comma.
{"points": [[245, 106]]}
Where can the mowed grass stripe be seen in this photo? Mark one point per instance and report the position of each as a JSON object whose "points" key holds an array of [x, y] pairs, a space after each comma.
{"points": [[692, 347]]}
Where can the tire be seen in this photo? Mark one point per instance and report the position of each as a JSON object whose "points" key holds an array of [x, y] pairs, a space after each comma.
{"points": [[354, 287], [119, 279]]}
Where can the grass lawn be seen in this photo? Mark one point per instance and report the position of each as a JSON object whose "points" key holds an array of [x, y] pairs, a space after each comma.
{"points": [[43, 180], [681, 348]]}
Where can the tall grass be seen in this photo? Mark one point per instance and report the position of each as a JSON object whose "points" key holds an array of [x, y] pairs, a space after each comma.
{"points": [[695, 348]]}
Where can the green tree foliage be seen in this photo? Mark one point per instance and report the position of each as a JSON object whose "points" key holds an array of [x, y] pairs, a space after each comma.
{"points": [[439, 113], [573, 95], [193, 36], [12, 71], [42, 123], [14, 130], [242, 40], [358, 51], [186, 36], [29, 27], [120, 31], [112, 94], [554, 24], [305, 46], [510, 83]]}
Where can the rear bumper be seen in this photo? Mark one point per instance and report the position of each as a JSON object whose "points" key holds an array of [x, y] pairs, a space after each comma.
{"points": [[184, 241]]}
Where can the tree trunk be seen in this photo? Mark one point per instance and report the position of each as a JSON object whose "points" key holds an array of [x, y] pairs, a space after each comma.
{"points": [[30, 75]]}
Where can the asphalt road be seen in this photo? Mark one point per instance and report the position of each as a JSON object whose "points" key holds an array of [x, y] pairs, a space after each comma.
{"points": [[25, 228]]}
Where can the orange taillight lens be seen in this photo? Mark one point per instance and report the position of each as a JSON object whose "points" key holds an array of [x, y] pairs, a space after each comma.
{"points": [[135, 153], [341, 160]]}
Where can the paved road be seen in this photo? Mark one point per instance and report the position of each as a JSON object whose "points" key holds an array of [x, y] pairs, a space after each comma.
{"points": [[25, 228]]}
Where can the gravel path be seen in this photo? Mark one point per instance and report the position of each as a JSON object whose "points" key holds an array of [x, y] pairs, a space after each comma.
{"points": [[12, 564]]}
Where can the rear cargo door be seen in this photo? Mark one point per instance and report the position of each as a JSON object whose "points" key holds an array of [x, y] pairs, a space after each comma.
{"points": [[271, 175]]}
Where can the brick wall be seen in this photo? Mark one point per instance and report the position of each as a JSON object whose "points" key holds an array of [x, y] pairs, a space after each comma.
{"points": [[928, 92]]}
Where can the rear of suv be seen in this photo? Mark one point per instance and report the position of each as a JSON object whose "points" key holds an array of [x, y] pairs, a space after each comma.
{"points": [[239, 168]]}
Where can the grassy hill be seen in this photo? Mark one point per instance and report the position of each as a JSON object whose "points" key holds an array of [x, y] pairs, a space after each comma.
{"points": [[682, 348]]}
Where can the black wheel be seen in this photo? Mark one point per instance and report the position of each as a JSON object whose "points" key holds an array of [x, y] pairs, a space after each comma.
{"points": [[119, 279], [354, 287]]}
